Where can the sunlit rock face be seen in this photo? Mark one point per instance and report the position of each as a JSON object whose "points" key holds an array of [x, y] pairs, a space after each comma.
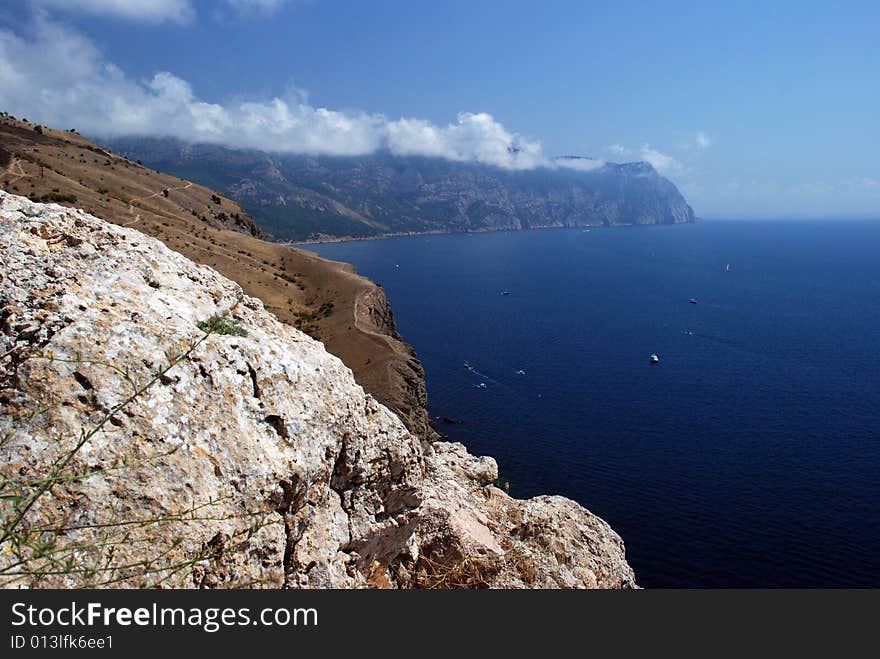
{"points": [[161, 428]]}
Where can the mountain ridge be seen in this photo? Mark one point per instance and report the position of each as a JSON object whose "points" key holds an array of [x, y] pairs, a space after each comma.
{"points": [[302, 197]]}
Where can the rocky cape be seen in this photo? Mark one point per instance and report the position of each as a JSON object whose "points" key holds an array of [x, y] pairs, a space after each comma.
{"points": [[160, 427], [301, 197]]}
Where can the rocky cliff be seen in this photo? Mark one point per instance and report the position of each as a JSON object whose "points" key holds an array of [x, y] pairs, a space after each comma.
{"points": [[299, 197], [160, 427], [327, 300]]}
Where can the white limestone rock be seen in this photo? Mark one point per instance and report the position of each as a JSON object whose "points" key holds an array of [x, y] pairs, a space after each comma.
{"points": [[254, 461]]}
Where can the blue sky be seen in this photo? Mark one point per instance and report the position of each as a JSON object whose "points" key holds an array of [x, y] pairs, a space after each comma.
{"points": [[754, 109]]}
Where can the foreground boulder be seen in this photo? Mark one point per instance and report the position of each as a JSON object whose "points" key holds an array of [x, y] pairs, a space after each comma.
{"points": [[160, 428]]}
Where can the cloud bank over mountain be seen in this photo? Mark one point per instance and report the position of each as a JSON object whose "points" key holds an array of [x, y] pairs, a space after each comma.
{"points": [[57, 76]]}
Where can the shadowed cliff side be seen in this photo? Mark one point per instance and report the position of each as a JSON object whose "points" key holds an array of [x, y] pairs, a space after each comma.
{"points": [[324, 299]]}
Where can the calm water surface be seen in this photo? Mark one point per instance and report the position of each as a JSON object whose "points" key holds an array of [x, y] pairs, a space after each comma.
{"points": [[749, 456]]}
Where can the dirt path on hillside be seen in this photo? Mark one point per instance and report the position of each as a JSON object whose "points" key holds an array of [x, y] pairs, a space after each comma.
{"points": [[21, 173], [137, 216]]}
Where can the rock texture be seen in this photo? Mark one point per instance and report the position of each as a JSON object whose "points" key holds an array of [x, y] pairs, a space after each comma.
{"points": [[138, 450], [326, 300]]}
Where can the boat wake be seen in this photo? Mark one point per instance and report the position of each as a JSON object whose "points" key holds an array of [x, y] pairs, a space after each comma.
{"points": [[485, 378]]}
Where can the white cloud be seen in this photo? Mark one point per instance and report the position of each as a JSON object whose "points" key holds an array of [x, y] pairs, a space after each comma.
{"points": [[580, 164], [703, 140], [813, 188], [475, 136], [618, 150], [150, 11], [860, 184], [267, 6], [58, 77], [663, 163]]}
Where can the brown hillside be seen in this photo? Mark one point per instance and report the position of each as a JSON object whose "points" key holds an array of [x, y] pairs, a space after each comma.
{"points": [[328, 300]]}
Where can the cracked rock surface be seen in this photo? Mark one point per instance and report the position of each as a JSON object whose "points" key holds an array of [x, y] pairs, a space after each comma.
{"points": [[138, 451]]}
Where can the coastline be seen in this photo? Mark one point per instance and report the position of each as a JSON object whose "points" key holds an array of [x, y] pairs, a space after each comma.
{"points": [[327, 240]]}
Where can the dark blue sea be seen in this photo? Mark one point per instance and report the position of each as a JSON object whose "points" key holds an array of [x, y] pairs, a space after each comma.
{"points": [[748, 456]]}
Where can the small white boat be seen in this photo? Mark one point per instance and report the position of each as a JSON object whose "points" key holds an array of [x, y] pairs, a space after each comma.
{"points": [[483, 385], [520, 372], [654, 359]]}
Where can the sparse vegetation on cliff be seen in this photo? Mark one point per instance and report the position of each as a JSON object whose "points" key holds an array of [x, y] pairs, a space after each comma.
{"points": [[222, 325], [56, 197]]}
